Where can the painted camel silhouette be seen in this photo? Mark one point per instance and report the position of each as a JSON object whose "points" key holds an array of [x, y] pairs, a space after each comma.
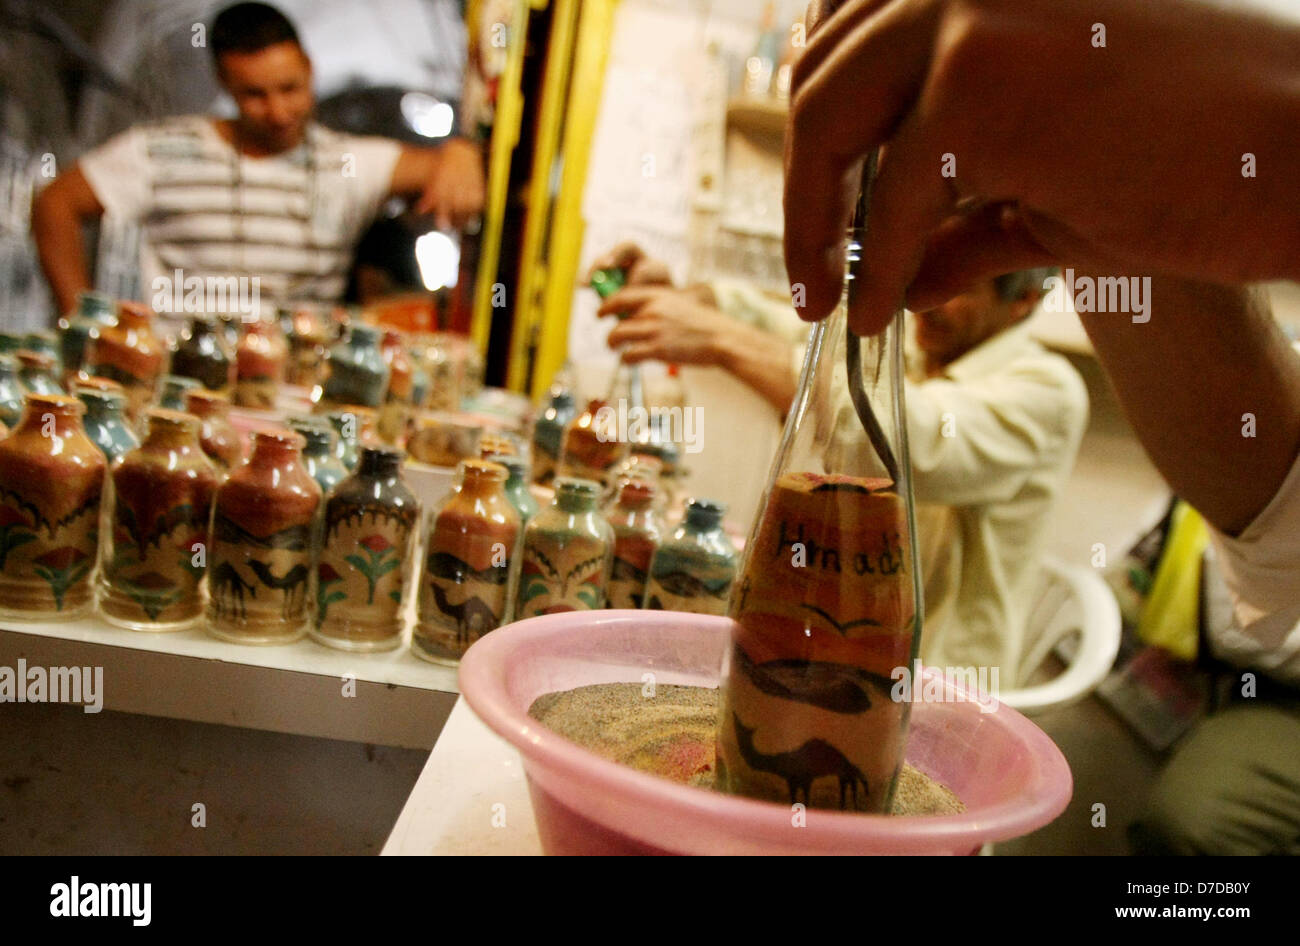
{"points": [[293, 583], [228, 592], [800, 767], [471, 614]]}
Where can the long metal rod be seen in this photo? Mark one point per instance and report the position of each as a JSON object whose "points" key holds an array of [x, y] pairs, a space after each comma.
{"points": [[853, 343]]}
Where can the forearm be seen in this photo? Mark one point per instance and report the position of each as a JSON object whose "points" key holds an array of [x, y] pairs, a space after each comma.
{"points": [[56, 228], [1212, 390], [763, 363]]}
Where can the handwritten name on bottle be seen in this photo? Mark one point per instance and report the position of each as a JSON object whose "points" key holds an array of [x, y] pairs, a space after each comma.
{"points": [[804, 550]]}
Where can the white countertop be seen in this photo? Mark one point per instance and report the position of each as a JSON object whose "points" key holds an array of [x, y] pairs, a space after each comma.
{"points": [[471, 798]]}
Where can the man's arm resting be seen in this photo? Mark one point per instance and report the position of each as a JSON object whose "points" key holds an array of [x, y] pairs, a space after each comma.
{"points": [[449, 180], [57, 215]]}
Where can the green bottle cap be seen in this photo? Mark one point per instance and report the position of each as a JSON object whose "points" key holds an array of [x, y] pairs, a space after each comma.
{"points": [[606, 282]]}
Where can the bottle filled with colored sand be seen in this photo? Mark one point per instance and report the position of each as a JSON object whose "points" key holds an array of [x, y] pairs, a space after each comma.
{"points": [[828, 604]]}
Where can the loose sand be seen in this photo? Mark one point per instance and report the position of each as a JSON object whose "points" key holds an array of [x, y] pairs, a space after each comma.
{"points": [[671, 734]]}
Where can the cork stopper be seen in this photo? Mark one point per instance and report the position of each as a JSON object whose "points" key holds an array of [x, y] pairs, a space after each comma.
{"points": [[704, 514], [576, 495], [483, 471], [380, 461]]}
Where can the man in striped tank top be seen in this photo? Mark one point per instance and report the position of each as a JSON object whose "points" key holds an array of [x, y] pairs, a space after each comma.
{"points": [[270, 195]]}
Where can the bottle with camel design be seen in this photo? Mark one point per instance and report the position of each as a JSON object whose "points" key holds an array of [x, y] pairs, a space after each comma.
{"points": [[368, 556], [261, 555], [130, 354], [637, 533], [693, 569], [470, 564], [568, 548], [153, 557], [51, 483], [828, 604]]}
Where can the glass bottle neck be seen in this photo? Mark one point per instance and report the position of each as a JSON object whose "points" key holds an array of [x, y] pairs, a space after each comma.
{"points": [[575, 503], [702, 520], [271, 452], [379, 465], [171, 435]]}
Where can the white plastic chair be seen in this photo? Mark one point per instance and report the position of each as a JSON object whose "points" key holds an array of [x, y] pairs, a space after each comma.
{"points": [[1074, 615]]}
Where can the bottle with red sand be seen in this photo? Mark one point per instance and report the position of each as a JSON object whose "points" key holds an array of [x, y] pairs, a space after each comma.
{"points": [[827, 604]]}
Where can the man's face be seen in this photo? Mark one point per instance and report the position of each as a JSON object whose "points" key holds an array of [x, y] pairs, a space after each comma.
{"points": [[949, 331], [272, 88]]}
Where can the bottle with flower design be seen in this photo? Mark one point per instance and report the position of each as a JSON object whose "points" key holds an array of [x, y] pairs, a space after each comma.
{"points": [[51, 483], [365, 576]]}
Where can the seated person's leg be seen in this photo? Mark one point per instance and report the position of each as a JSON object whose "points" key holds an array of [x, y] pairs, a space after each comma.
{"points": [[1233, 787]]}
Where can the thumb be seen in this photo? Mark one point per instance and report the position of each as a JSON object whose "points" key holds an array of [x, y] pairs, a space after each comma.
{"points": [[909, 199], [969, 247]]}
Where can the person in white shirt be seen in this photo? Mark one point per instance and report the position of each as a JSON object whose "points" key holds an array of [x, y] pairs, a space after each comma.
{"points": [[994, 423], [269, 195], [1144, 156]]}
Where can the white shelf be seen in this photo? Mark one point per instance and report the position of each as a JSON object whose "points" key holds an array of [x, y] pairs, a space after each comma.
{"points": [[395, 668], [390, 698]]}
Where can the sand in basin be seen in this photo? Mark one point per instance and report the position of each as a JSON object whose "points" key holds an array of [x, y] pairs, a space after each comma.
{"points": [[671, 734]]}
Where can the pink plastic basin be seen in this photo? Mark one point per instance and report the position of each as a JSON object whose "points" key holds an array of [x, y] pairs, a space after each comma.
{"points": [[1010, 776]]}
